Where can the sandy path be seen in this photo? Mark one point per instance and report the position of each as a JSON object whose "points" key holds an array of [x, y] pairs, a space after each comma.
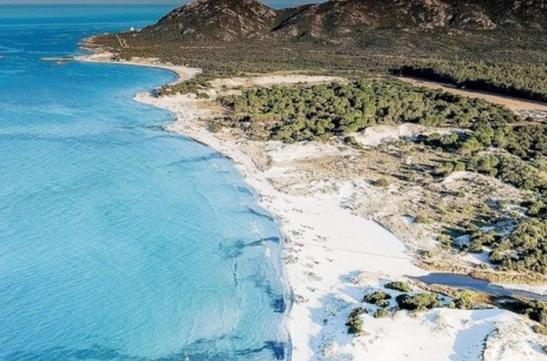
{"points": [[515, 104]]}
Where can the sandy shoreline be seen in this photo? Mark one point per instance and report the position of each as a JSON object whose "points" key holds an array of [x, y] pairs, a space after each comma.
{"points": [[314, 228], [332, 255], [182, 73]]}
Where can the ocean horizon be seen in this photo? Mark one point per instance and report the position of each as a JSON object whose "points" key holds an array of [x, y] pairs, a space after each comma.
{"points": [[118, 239]]}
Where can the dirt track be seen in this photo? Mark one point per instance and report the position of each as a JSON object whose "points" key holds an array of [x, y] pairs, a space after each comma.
{"points": [[515, 104]]}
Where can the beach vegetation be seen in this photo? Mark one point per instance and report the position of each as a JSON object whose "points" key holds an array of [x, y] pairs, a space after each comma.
{"points": [[525, 248], [480, 239], [303, 113], [378, 298], [418, 302], [537, 311], [467, 300], [399, 286], [355, 322], [381, 313], [197, 85]]}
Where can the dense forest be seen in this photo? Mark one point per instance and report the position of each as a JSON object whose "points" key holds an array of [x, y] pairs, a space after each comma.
{"points": [[378, 52], [491, 140], [520, 80], [306, 113], [524, 249]]}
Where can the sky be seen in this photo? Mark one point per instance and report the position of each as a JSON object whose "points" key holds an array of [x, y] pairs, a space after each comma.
{"points": [[159, 2], [276, 3]]}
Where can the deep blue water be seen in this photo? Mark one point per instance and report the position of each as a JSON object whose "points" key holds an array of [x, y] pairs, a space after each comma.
{"points": [[118, 240]]}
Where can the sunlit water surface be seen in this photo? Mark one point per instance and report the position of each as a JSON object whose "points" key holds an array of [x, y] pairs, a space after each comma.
{"points": [[118, 240]]}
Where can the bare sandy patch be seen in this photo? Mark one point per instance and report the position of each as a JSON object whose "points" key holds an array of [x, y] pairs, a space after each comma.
{"points": [[377, 135]]}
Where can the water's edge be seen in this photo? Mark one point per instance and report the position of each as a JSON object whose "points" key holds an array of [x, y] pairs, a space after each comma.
{"points": [[468, 282]]}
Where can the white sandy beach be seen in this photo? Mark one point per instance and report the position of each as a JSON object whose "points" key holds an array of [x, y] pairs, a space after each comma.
{"points": [[333, 255]]}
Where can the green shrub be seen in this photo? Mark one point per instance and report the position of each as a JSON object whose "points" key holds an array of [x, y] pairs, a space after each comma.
{"points": [[510, 170], [195, 86], [459, 167], [470, 146], [378, 298], [537, 311], [466, 300], [418, 302], [381, 313], [399, 286], [355, 323], [480, 239], [527, 245], [537, 209], [524, 249]]}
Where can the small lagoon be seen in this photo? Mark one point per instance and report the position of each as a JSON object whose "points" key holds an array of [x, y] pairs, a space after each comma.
{"points": [[470, 283], [118, 240]]}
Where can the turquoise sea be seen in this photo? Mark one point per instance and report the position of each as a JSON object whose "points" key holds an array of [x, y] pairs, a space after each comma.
{"points": [[119, 240]]}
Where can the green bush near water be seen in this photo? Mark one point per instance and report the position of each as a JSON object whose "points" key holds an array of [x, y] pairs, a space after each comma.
{"points": [[399, 286], [537, 311], [466, 300], [418, 302], [378, 298]]}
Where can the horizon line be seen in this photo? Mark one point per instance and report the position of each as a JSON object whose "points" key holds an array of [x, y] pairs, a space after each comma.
{"points": [[91, 2]]}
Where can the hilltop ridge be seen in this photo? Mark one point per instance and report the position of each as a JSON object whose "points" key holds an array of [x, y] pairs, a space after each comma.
{"points": [[224, 20], [230, 20]]}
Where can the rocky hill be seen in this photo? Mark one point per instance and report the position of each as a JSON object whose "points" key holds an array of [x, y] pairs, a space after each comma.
{"points": [[230, 20], [366, 36], [225, 20], [348, 17]]}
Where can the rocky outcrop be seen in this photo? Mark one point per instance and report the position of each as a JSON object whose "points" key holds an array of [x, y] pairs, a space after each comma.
{"points": [[225, 20], [344, 17], [230, 20]]}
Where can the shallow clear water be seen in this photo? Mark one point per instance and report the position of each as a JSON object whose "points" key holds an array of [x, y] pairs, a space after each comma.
{"points": [[118, 240]]}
